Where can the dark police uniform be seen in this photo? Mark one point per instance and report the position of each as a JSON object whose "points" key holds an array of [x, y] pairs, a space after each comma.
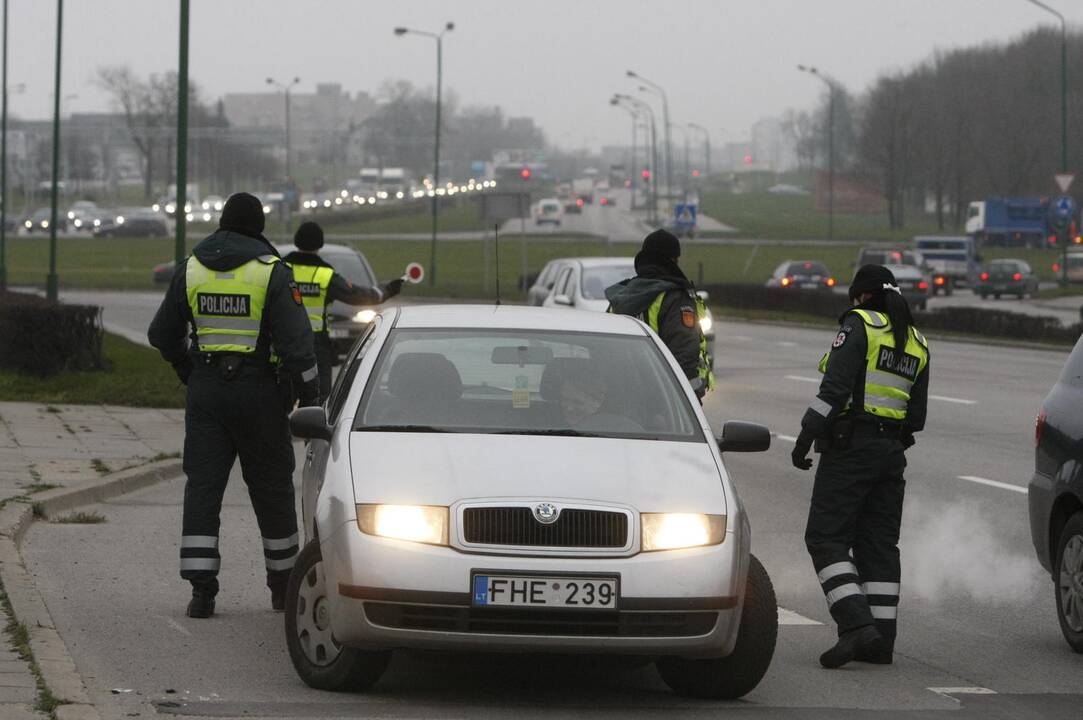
{"points": [[233, 326], [320, 286], [872, 400]]}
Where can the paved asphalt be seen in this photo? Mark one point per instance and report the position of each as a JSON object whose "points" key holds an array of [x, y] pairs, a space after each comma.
{"points": [[977, 612]]}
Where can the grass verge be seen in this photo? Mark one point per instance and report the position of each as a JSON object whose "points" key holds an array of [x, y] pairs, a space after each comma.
{"points": [[81, 518], [136, 376], [19, 637]]}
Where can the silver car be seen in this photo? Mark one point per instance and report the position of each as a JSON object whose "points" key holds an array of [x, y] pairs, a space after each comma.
{"points": [[500, 478]]}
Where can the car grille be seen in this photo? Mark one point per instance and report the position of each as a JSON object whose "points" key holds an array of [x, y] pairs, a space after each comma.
{"points": [[574, 528], [509, 621]]}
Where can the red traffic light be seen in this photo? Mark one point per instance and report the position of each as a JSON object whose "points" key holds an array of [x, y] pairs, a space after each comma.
{"points": [[695, 173], [748, 159], [525, 173], [646, 174]]}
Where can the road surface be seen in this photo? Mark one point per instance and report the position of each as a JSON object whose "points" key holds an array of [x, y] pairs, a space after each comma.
{"points": [[977, 613]]}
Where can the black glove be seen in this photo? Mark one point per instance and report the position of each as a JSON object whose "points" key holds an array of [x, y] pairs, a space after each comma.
{"points": [[907, 440], [391, 289], [183, 369], [800, 457], [309, 394]]}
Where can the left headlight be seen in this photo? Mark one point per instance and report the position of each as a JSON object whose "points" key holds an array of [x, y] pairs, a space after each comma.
{"points": [[365, 316], [706, 322], [670, 531], [416, 523]]}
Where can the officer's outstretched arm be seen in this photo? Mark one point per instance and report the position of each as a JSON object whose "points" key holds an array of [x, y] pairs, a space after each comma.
{"points": [[845, 363], [169, 330], [345, 291], [291, 334]]}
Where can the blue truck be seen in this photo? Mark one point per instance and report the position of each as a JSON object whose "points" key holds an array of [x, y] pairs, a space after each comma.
{"points": [[1010, 222]]}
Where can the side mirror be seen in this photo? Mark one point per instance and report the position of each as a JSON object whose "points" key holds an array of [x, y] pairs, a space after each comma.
{"points": [[744, 437], [562, 300], [310, 423], [702, 295]]}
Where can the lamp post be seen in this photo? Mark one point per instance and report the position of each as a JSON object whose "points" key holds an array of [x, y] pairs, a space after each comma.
{"points": [[439, 38], [830, 144], [632, 163], [285, 88], [657, 89], [1063, 83], [181, 215], [52, 281], [4, 209], [646, 110], [706, 147]]}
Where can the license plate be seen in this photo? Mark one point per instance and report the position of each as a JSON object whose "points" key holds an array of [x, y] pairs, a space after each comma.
{"points": [[581, 593], [338, 334], [810, 286]]}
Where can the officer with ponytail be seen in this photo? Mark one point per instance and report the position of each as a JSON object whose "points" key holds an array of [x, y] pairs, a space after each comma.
{"points": [[872, 400]]}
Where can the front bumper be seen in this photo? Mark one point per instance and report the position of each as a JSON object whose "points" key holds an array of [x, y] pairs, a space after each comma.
{"points": [[390, 594]]}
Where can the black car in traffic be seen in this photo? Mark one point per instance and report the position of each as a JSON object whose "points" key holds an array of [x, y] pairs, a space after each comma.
{"points": [[1056, 495]]}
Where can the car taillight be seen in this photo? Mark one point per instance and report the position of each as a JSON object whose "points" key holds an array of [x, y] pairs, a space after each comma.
{"points": [[1039, 428], [923, 285], [985, 276], [785, 281], [579, 202], [605, 201], [1017, 277], [1056, 267], [830, 282], [939, 280]]}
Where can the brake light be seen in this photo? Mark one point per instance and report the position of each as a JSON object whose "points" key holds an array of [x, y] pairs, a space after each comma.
{"points": [[830, 282], [1017, 277], [785, 281], [579, 202], [939, 280], [923, 285], [985, 276], [1039, 428], [1056, 267], [605, 201]]}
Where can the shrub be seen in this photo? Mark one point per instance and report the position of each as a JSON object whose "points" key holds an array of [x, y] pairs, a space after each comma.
{"points": [[42, 338]]}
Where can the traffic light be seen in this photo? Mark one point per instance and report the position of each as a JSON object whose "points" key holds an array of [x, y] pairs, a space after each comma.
{"points": [[646, 175], [748, 159], [695, 173], [525, 173]]}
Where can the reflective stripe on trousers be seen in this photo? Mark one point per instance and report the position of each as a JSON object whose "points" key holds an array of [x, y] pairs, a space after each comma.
{"points": [[280, 553]]}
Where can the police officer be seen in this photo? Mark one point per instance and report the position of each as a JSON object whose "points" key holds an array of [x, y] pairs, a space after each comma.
{"points": [[872, 400], [234, 328], [320, 286], [662, 296]]}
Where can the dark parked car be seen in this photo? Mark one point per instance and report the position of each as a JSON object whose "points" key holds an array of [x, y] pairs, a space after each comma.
{"points": [[1006, 277], [137, 223], [39, 221], [1055, 495]]}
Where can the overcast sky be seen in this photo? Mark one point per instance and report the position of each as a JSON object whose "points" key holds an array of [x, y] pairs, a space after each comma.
{"points": [[724, 63]]}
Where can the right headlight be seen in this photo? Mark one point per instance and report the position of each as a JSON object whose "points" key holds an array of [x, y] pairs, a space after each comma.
{"points": [[671, 531], [415, 523]]}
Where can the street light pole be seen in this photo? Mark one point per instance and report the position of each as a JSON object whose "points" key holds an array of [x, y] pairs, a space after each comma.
{"points": [[706, 147], [4, 157], [439, 37], [632, 165], [181, 215], [665, 120], [1063, 82], [830, 145], [52, 282], [285, 88], [648, 112]]}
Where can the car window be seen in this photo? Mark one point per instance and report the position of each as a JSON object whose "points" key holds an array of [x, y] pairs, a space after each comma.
{"points": [[340, 389], [526, 382], [545, 274], [596, 279], [562, 281], [806, 268], [350, 265]]}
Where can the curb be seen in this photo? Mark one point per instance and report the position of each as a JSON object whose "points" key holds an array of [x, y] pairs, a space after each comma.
{"points": [[50, 652]]}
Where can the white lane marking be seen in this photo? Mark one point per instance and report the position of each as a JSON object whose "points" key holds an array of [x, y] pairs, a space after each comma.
{"points": [[789, 617], [994, 483], [787, 438], [949, 691], [800, 378], [786, 343], [176, 625], [740, 338], [957, 401]]}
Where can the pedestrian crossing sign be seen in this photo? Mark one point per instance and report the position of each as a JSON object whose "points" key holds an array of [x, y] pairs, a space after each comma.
{"points": [[685, 214]]}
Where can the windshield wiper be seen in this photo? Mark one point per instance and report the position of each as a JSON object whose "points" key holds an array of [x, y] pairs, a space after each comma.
{"points": [[402, 428]]}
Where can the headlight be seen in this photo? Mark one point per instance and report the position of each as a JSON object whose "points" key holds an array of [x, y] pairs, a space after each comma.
{"points": [[669, 531], [365, 316], [416, 523], [28, 224], [120, 219], [706, 323]]}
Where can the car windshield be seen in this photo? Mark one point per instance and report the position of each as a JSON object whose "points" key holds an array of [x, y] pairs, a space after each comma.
{"points": [[349, 264], [597, 279], [526, 382]]}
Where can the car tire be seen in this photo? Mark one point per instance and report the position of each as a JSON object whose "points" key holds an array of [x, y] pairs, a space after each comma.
{"points": [[996, 296], [1070, 541], [948, 289], [317, 658], [735, 675]]}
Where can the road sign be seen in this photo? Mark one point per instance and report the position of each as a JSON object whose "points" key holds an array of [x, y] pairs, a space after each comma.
{"points": [[1064, 180], [685, 215], [1061, 211]]}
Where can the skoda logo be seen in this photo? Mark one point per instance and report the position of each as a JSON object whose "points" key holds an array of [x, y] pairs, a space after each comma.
{"points": [[546, 513]]}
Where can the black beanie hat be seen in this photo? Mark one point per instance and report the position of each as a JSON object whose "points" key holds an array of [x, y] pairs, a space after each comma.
{"points": [[243, 213], [661, 244], [308, 237], [872, 279]]}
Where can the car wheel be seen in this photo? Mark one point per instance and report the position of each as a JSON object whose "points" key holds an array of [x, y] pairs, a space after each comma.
{"points": [[996, 296], [1068, 581], [949, 289], [738, 673], [318, 659]]}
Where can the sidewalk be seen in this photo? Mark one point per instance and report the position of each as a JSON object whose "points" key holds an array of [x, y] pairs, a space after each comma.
{"points": [[64, 444]]}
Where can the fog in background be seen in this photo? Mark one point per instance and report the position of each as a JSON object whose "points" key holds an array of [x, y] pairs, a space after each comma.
{"points": [[725, 63]]}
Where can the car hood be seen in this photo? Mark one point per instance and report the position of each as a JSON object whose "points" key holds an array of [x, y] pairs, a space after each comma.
{"points": [[445, 468]]}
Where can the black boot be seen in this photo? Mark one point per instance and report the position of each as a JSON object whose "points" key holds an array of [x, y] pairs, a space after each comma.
{"points": [[882, 653], [278, 598], [851, 643], [202, 603]]}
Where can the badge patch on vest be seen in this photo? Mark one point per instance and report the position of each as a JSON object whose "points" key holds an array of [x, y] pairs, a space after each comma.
{"points": [[229, 305], [309, 289], [295, 292], [902, 364], [688, 317]]}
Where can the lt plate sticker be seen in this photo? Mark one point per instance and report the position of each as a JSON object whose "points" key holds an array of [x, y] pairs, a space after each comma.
{"points": [[520, 396], [839, 340]]}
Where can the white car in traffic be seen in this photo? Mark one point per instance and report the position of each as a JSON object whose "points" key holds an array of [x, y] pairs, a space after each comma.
{"points": [[524, 480]]}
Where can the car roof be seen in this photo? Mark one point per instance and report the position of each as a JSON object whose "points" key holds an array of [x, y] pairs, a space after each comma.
{"points": [[514, 317], [589, 262], [900, 269], [286, 248]]}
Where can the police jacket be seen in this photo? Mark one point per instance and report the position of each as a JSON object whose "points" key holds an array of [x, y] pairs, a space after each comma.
{"points": [[284, 323], [678, 326], [340, 289], [845, 369]]}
